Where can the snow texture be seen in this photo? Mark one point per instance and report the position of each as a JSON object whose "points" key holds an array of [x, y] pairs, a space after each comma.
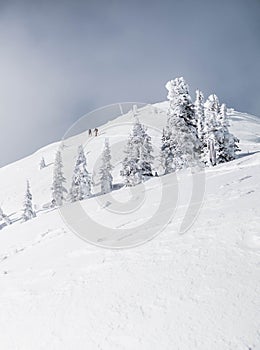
{"points": [[199, 290]]}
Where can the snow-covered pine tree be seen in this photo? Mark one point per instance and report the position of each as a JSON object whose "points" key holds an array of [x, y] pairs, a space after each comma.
{"points": [[220, 146], [180, 142], [137, 164], [222, 116], [229, 143], [180, 101], [4, 217], [28, 212], [42, 163], [81, 182], [58, 188], [146, 155], [167, 151], [212, 131], [106, 178], [199, 114], [130, 167]]}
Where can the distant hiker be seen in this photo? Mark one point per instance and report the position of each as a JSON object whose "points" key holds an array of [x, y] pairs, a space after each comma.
{"points": [[156, 174], [89, 132], [96, 131]]}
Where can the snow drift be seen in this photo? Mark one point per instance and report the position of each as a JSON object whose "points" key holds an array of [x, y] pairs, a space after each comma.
{"points": [[198, 290]]}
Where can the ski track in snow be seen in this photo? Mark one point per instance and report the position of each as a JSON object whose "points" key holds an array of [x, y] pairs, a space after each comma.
{"points": [[195, 291]]}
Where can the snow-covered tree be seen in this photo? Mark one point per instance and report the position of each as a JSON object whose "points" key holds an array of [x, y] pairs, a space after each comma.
{"points": [[212, 131], [137, 164], [167, 151], [81, 181], [180, 101], [220, 145], [106, 178], [58, 189], [212, 104], [28, 212], [228, 143], [146, 155], [4, 217], [42, 163], [130, 167], [199, 114], [180, 142]]}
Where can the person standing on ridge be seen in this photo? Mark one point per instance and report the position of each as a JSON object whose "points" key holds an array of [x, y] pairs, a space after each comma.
{"points": [[89, 132], [96, 131]]}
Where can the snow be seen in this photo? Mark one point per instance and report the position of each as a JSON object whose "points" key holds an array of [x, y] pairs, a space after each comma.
{"points": [[197, 290]]}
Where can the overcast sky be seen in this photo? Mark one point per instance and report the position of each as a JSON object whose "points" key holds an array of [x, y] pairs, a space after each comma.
{"points": [[62, 59]]}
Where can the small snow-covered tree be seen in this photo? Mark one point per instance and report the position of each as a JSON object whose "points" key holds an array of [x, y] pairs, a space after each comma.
{"points": [[4, 217], [28, 212], [137, 164], [106, 178], [58, 189], [81, 181], [180, 142], [42, 163]]}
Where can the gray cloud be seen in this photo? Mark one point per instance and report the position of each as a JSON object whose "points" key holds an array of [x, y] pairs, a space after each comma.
{"points": [[59, 61]]}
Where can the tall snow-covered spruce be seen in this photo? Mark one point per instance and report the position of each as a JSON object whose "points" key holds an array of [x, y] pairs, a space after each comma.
{"points": [[180, 142], [229, 143], [212, 131], [81, 181], [28, 212], [58, 189], [106, 179], [199, 114], [137, 164]]}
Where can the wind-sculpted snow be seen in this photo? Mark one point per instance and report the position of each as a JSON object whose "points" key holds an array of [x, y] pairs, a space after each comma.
{"points": [[198, 290]]}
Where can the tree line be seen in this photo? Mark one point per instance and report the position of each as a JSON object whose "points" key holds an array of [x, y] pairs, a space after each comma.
{"points": [[196, 133]]}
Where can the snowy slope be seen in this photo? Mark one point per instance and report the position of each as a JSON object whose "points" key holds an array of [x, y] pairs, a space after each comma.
{"points": [[198, 290]]}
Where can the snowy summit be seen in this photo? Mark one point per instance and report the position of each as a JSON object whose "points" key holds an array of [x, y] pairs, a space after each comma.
{"points": [[178, 183]]}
